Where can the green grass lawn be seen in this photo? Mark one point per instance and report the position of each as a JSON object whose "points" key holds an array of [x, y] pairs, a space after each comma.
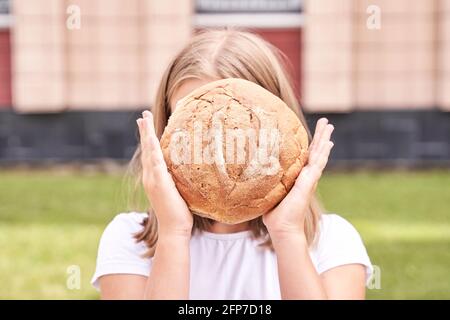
{"points": [[51, 221]]}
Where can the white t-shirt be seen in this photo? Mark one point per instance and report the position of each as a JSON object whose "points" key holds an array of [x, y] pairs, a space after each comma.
{"points": [[228, 266]]}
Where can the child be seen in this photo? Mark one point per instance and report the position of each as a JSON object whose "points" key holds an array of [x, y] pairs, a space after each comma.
{"points": [[293, 252]]}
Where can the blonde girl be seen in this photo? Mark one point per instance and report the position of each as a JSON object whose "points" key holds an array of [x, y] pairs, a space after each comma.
{"points": [[293, 252]]}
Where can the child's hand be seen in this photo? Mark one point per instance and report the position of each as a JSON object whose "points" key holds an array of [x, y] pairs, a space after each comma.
{"points": [[174, 217], [289, 216]]}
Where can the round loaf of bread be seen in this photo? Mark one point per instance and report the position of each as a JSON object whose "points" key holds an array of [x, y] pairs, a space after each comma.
{"points": [[234, 150]]}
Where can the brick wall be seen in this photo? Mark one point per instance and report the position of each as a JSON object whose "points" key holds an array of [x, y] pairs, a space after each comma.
{"points": [[395, 66], [412, 138], [443, 55], [38, 59], [327, 56], [402, 65], [114, 61]]}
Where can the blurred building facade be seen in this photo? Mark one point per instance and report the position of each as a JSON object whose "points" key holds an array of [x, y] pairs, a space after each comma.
{"points": [[400, 61], [73, 73]]}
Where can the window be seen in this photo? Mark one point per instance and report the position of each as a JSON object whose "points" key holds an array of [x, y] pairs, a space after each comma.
{"points": [[4, 7], [249, 13], [5, 18], [248, 6]]}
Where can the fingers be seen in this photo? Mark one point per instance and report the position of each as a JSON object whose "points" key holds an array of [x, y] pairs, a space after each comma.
{"points": [[150, 133], [316, 166], [324, 155], [139, 122], [318, 158], [320, 126], [321, 140], [151, 150], [323, 147], [325, 138]]}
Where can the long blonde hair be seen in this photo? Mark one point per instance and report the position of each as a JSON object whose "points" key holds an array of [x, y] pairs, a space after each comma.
{"points": [[219, 54]]}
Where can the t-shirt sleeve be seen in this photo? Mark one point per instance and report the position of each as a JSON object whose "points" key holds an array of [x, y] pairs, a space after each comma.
{"points": [[340, 244], [118, 251]]}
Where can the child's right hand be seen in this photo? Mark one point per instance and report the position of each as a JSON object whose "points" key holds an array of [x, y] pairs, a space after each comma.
{"points": [[172, 212]]}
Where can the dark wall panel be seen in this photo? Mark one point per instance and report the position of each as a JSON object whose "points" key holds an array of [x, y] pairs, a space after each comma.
{"points": [[384, 138]]}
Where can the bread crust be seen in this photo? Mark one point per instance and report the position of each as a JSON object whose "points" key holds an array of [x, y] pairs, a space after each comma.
{"points": [[235, 192]]}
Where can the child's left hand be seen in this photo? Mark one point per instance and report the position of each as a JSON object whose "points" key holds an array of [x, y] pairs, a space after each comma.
{"points": [[289, 216]]}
